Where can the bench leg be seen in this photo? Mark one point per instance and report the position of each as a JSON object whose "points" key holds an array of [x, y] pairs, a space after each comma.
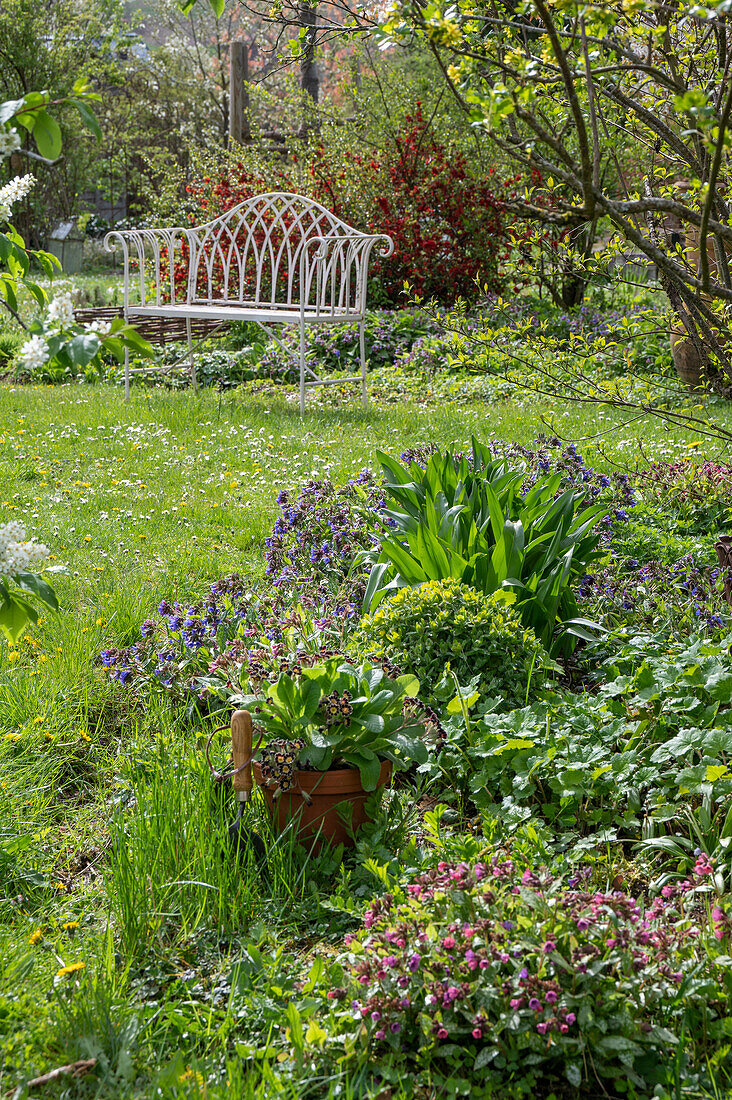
{"points": [[127, 374], [302, 370], [192, 361], [362, 343]]}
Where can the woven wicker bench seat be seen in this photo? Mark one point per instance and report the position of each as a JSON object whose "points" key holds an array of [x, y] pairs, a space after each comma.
{"points": [[158, 330], [277, 259]]}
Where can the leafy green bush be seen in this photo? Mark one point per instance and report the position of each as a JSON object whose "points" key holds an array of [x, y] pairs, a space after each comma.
{"points": [[475, 520], [9, 345], [422, 628], [642, 757], [519, 983]]}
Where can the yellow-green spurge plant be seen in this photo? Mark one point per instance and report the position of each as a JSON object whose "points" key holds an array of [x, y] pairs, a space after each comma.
{"points": [[423, 628]]}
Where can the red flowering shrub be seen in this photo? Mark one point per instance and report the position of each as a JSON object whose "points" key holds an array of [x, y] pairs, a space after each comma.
{"points": [[445, 219]]}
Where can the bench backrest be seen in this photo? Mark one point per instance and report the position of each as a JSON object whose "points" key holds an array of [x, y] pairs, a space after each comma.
{"points": [[275, 251], [259, 252]]}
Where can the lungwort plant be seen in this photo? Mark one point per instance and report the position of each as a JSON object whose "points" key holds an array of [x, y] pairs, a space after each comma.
{"points": [[472, 519]]}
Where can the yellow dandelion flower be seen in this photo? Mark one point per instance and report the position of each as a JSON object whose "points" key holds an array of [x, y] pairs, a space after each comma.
{"points": [[39, 720], [192, 1075], [73, 968], [70, 925], [35, 937], [13, 655]]}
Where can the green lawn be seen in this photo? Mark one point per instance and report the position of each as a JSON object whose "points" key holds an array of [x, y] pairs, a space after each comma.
{"points": [[140, 502]]}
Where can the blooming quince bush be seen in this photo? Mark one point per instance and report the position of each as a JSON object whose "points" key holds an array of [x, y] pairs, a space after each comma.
{"points": [[518, 977]]}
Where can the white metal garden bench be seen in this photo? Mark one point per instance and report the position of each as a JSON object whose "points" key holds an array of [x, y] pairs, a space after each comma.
{"points": [[277, 259]]}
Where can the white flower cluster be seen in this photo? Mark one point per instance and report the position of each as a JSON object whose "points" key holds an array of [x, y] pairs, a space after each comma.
{"points": [[61, 310], [100, 328], [9, 142], [17, 555], [13, 192], [34, 353]]}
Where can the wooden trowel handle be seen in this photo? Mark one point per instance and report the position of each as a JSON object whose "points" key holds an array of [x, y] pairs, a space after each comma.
{"points": [[241, 746]]}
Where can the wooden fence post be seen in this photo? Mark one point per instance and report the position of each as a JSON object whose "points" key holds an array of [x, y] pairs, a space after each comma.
{"points": [[239, 128]]}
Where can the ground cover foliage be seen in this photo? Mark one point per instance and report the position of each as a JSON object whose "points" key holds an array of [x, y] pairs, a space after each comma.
{"points": [[468, 937]]}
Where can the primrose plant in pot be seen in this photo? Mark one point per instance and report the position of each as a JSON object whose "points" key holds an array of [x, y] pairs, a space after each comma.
{"points": [[332, 733]]}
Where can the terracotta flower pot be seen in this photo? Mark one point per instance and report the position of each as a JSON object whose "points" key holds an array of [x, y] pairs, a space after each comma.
{"points": [[321, 821], [686, 359]]}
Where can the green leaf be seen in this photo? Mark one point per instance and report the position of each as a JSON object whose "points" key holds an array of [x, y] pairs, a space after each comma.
{"points": [[88, 117], [83, 348], [369, 767], [573, 1074], [294, 1020], [10, 108], [47, 135], [15, 614], [455, 705], [372, 722], [31, 582]]}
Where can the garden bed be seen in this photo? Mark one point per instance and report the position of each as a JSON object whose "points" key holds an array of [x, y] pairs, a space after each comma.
{"points": [[593, 787]]}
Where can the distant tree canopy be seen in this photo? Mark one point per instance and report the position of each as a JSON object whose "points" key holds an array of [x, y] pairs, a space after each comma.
{"points": [[623, 111]]}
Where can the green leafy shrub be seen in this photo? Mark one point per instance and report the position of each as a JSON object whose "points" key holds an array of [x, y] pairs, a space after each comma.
{"points": [[516, 981], [422, 628], [9, 344], [643, 757]]}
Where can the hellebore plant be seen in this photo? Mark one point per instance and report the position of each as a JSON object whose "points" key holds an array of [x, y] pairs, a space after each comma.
{"points": [[337, 713]]}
